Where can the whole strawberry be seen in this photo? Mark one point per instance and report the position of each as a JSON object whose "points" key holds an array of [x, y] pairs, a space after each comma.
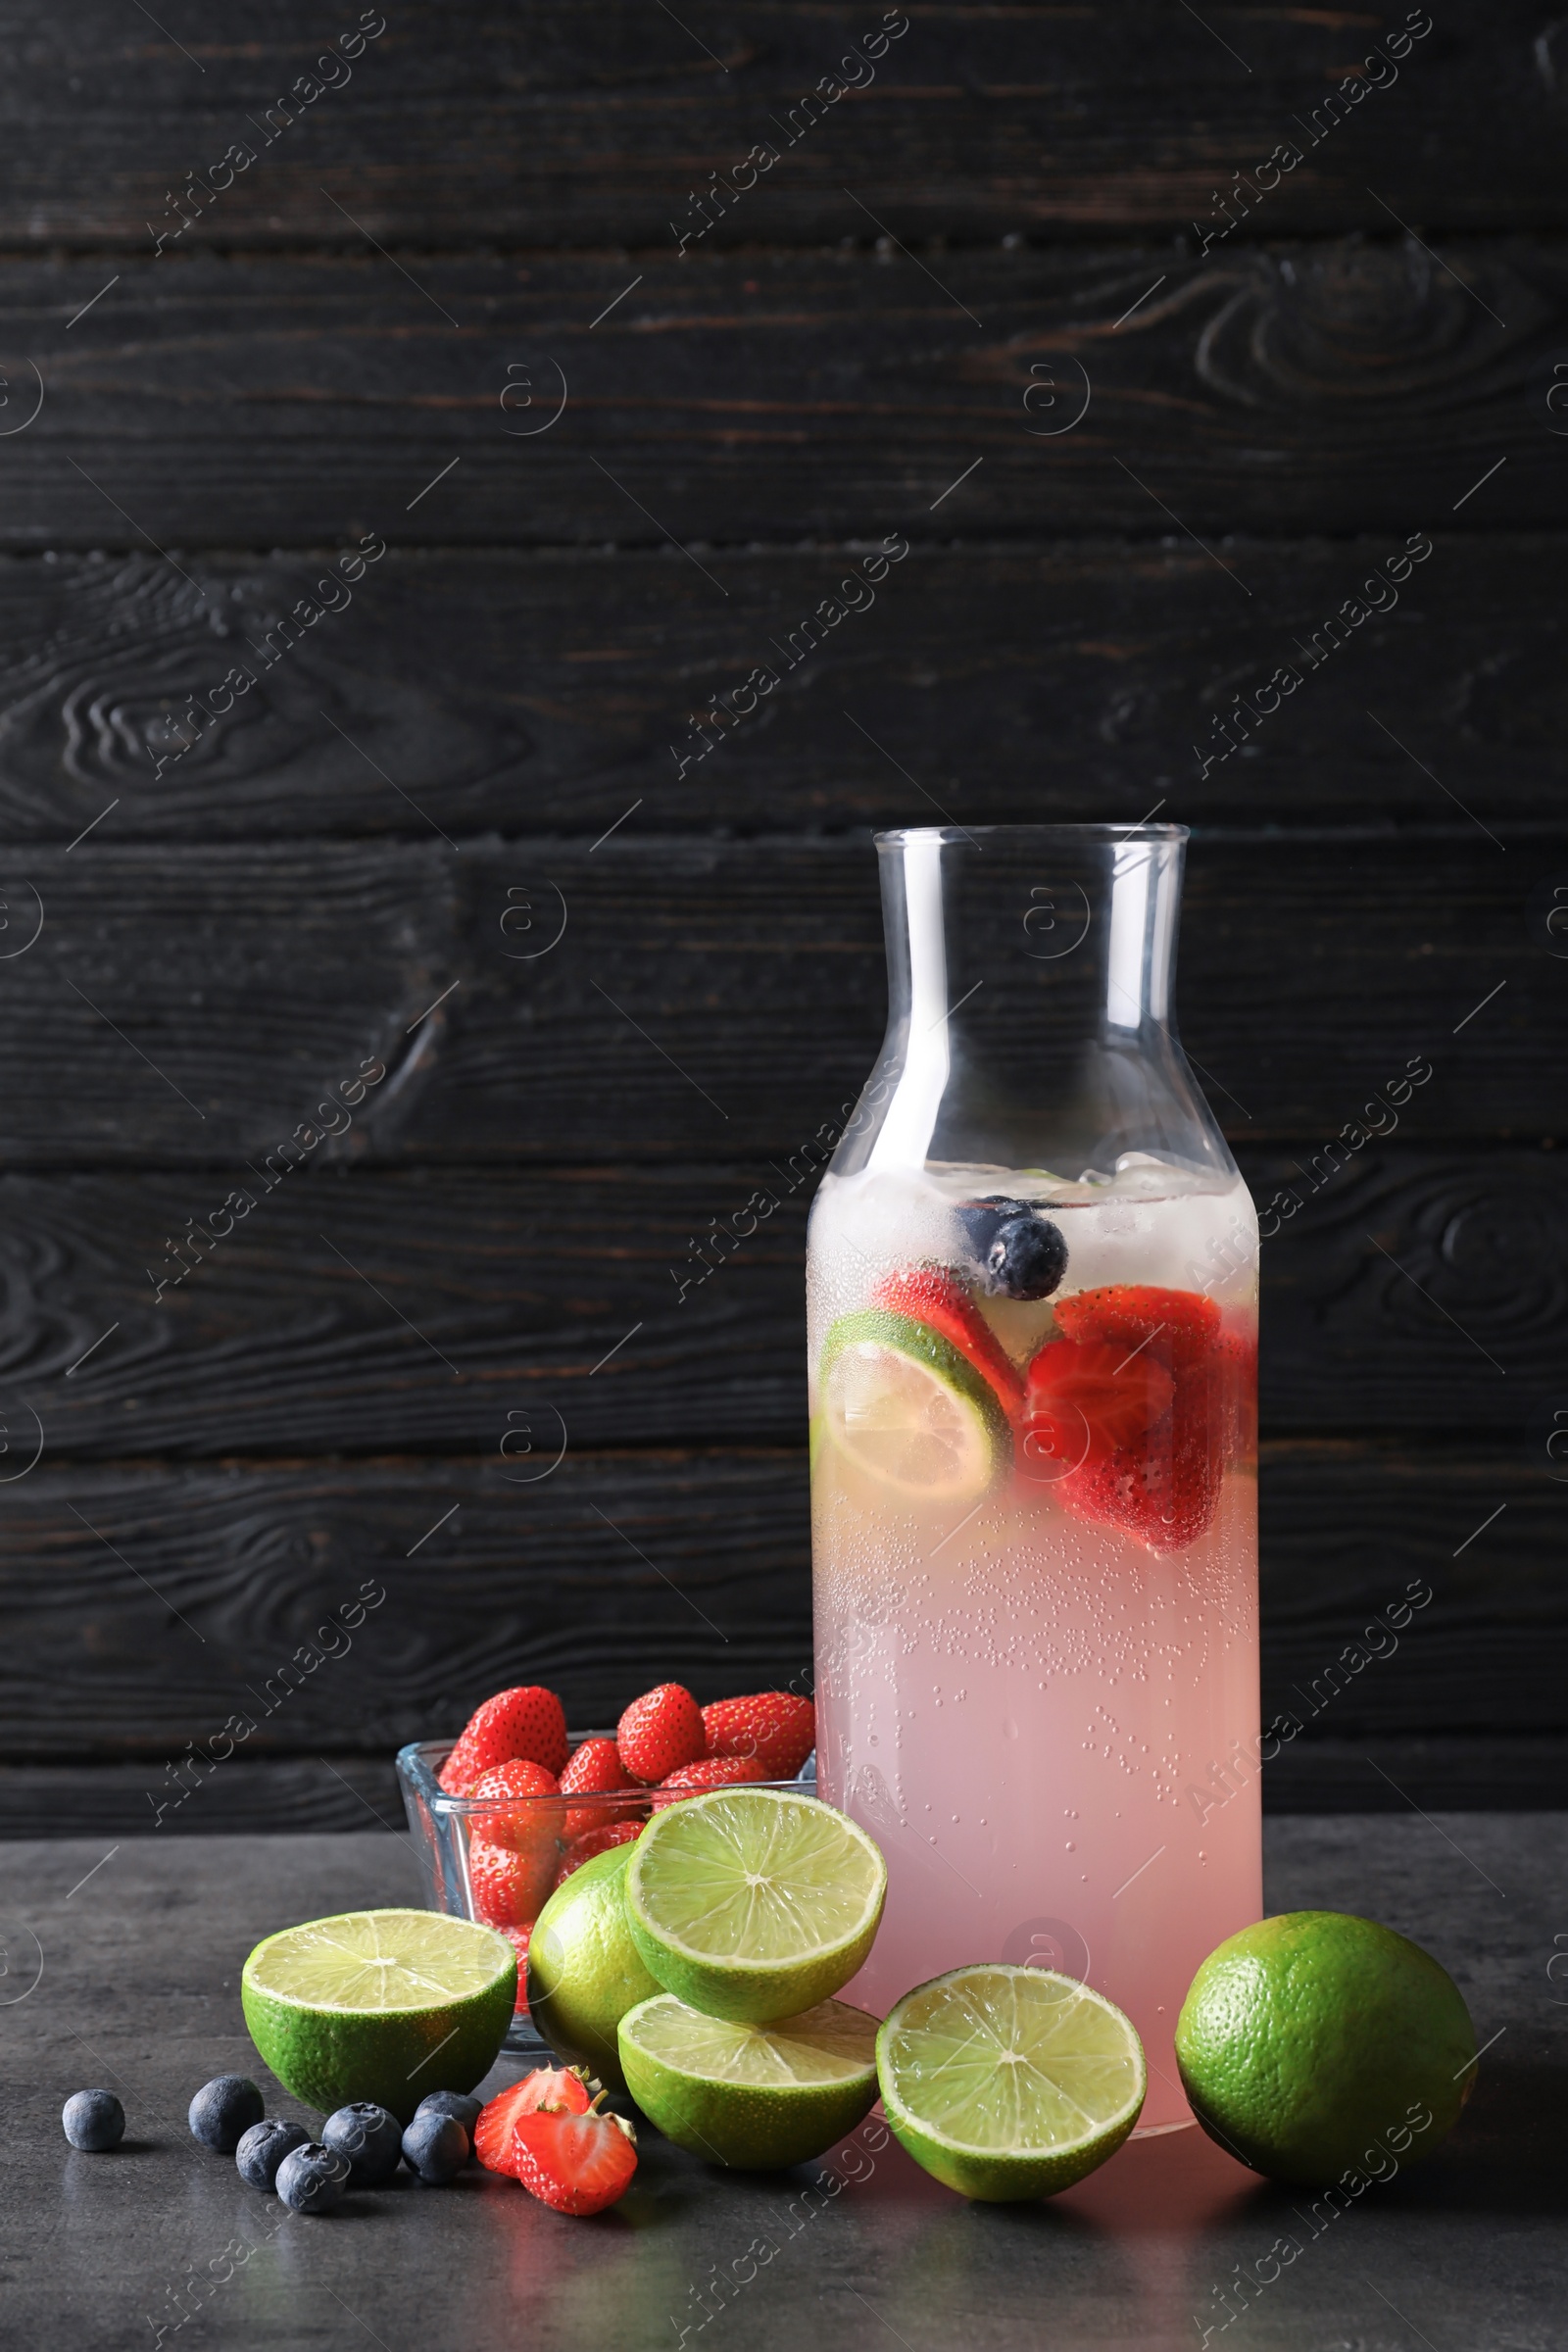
{"points": [[515, 1825], [594, 1765], [517, 1937], [713, 1772], [528, 1722], [660, 1732], [510, 1887], [775, 1726], [596, 1842]]}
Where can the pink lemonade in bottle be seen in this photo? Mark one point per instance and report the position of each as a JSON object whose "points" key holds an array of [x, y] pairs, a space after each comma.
{"points": [[1034, 1487]]}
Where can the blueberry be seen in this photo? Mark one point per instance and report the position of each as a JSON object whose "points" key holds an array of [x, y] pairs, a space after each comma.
{"points": [[436, 2147], [370, 2138], [312, 2178], [223, 2110], [93, 2119], [263, 2148], [460, 2103], [1023, 1255]]}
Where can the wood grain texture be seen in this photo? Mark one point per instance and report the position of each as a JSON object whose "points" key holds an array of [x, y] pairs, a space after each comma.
{"points": [[310, 1794], [649, 999], [1345, 388], [141, 1608], [1413, 1292], [463, 125], [542, 693]]}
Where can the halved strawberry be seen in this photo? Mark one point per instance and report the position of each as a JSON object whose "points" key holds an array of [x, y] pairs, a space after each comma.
{"points": [[1086, 1397], [1160, 1483], [776, 1726], [1183, 1324], [713, 1772], [574, 2163], [660, 1732], [934, 1297], [549, 2089], [525, 1722], [596, 1842], [594, 1765]]}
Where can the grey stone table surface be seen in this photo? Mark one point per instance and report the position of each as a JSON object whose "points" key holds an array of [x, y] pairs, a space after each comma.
{"points": [[124, 1969]]}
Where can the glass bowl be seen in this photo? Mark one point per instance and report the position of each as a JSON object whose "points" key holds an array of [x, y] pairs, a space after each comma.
{"points": [[524, 1845]]}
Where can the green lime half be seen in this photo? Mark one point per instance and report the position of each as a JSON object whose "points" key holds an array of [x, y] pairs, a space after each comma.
{"points": [[751, 1904], [1009, 2083], [911, 1413], [584, 1972], [1310, 2043], [754, 2097], [382, 2005]]}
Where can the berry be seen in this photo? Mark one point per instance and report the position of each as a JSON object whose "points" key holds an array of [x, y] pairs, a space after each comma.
{"points": [[517, 1937], [263, 2147], [508, 1887], [368, 2138], [461, 2103], [660, 1732], [312, 2178], [436, 2147], [775, 1726], [599, 1842], [1162, 1485], [528, 1722], [93, 2120], [713, 1772], [574, 2163], [223, 2110], [522, 1826], [1021, 1256], [595, 1766], [1185, 1322], [1086, 1398], [549, 2089], [930, 1296]]}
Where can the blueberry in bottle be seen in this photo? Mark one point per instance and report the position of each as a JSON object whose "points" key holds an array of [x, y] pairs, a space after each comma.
{"points": [[1022, 1254]]}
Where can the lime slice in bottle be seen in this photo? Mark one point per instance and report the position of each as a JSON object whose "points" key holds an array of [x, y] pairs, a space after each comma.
{"points": [[1009, 2083], [754, 2097], [749, 1904], [382, 2005], [909, 1411]]}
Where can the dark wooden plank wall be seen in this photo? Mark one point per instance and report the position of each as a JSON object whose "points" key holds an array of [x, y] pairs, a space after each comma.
{"points": [[461, 788]]}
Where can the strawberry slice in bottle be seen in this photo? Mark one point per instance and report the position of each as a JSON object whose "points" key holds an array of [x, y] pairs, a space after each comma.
{"points": [[1136, 1414], [930, 1295]]}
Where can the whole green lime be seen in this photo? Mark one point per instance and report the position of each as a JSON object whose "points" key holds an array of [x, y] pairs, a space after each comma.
{"points": [[1312, 2041], [584, 1972]]}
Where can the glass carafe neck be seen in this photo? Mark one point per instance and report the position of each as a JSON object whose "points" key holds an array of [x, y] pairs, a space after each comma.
{"points": [[1030, 1022]]}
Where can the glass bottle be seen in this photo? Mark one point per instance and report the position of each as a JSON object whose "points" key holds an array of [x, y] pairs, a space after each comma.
{"points": [[1033, 1286]]}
